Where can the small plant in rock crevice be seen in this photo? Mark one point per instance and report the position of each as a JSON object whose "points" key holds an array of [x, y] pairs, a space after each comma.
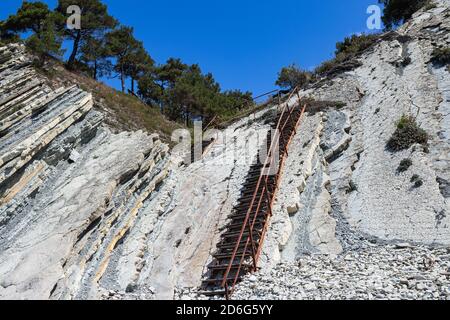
{"points": [[407, 134], [417, 180], [406, 62], [405, 164], [441, 56], [418, 183], [351, 187]]}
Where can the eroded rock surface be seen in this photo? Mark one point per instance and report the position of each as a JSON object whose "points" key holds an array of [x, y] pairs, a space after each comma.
{"points": [[88, 214], [70, 189]]}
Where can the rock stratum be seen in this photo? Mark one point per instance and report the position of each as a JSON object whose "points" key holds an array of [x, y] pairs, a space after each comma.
{"points": [[86, 213]]}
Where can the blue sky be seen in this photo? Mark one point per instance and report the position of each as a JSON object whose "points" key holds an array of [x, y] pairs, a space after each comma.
{"points": [[243, 43]]}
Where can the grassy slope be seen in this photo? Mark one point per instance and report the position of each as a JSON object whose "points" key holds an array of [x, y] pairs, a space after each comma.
{"points": [[123, 112]]}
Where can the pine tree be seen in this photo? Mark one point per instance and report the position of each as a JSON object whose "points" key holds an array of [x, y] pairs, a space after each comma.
{"points": [[94, 20], [155, 84], [137, 63], [7, 36], [168, 73], [48, 41], [291, 77], [95, 54], [29, 17], [37, 18], [121, 44], [397, 12]]}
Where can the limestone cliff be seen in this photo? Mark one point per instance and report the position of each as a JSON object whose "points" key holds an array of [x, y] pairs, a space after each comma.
{"points": [[69, 188], [86, 213]]}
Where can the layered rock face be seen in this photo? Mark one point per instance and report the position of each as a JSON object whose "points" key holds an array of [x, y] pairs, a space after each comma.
{"points": [[69, 188], [87, 214], [347, 194], [84, 212], [351, 178]]}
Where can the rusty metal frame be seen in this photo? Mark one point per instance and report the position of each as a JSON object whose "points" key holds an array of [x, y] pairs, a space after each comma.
{"points": [[265, 195]]}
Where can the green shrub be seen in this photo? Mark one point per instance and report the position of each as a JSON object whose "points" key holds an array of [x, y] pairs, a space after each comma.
{"points": [[326, 66], [407, 134], [291, 77], [354, 45], [441, 56], [430, 5], [407, 61], [351, 187], [405, 164], [397, 12], [345, 52], [418, 183], [315, 106]]}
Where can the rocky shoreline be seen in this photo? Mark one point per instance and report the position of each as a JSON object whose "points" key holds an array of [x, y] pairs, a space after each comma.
{"points": [[391, 272]]}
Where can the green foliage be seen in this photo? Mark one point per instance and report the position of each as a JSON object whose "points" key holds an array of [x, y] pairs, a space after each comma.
{"points": [[95, 20], [137, 62], [95, 54], [29, 17], [7, 36], [195, 95], [291, 77], [441, 56], [405, 164], [354, 45], [102, 47], [122, 45], [149, 90], [168, 73], [346, 51], [352, 187], [184, 93], [407, 134], [48, 42], [37, 18], [326, 66], [397, 12]]}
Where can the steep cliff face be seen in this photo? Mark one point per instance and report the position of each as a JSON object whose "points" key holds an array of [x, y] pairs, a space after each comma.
{"points": [[87, 213], [354, 198], [351, 177], [70, 189], [84, 211]]}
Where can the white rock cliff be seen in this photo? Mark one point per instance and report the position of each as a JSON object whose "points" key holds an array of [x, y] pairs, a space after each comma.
{"points": [[88, 214]]}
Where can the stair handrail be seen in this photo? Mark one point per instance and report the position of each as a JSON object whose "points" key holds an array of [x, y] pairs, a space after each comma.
{"points": [[249, 211]]}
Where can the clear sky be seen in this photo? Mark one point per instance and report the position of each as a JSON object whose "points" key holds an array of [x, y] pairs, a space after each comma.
{"points": [[244, 43]]}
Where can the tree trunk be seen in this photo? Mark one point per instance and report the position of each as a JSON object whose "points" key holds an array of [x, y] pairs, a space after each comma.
{"points": [[122, 79], [95, 70], [76, 44], [132, 85]]}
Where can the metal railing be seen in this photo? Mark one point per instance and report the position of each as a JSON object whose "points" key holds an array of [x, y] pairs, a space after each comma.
{"points": [[285, 117]]}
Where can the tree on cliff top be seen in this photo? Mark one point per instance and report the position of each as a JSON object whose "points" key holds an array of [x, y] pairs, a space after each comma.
{"points": [[29, 17], [137, 63], [37, 18], [94, 19], [292, 76], [397, 12], [122, 45], [95, 55]]}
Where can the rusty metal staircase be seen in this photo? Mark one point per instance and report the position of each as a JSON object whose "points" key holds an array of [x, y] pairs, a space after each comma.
{"points": [[241, 244]]}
